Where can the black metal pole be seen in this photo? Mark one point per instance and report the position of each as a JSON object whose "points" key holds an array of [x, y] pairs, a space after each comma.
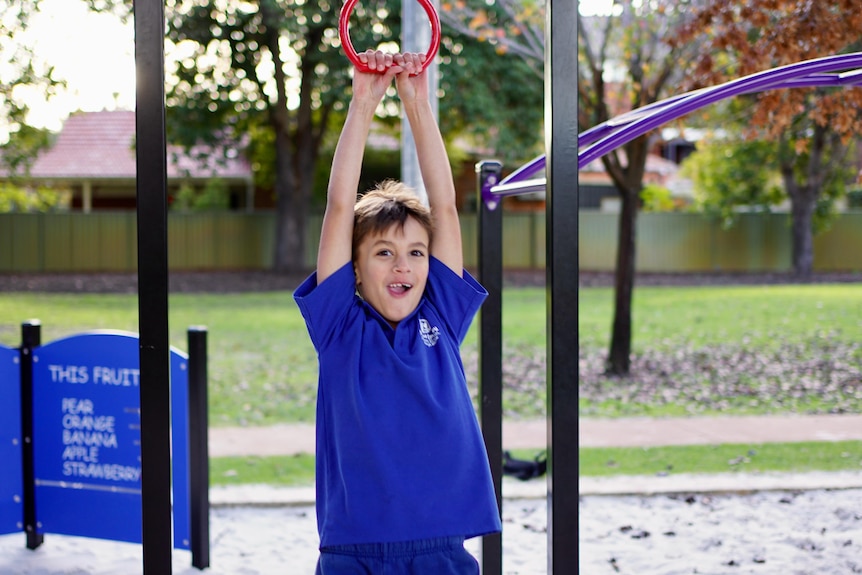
{"points": [[153, 287], [490, 214], [561, 144], [199, 472], [31, 338]]}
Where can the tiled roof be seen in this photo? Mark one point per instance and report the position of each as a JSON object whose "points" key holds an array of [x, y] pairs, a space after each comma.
{"points": [[100, 145]]}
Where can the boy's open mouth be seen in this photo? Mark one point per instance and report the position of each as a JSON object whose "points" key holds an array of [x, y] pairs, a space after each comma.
{"points": [[400, 288]]}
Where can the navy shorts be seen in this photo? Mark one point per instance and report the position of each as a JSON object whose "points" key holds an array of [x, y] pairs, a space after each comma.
{"points": [[444, 556]]}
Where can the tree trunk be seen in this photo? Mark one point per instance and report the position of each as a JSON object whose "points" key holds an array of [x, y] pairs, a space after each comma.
{"points": [[290, 224], [297, 142], [802, 211], [621, 336]]}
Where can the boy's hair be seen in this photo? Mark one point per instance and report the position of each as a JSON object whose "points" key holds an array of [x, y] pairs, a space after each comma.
{"points": [[389, 203]]}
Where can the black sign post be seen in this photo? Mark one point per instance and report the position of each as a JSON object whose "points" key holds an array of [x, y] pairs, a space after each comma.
{"points": [[31, 338], [199, 474]]}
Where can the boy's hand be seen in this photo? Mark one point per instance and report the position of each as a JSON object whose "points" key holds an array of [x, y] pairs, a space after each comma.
{"points": [[371, 86], [412, 81]]}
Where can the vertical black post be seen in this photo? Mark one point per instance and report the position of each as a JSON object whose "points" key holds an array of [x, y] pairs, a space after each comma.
{"points": [[199, 471], [490, 214], [31, 338], [153, 286], [561, 144]]}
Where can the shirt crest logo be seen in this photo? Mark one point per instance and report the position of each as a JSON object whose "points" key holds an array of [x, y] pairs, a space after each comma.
{"points": [[429, 334]]}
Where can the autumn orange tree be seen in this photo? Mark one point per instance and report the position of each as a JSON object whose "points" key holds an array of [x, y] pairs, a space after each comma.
{"points": [[624, 63], [511, 26], [812, 127]]}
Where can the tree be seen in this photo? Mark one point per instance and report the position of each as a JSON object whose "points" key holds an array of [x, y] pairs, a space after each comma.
{"points": [[269, 68], [42, 199], [271, 72], [502, 113], [509, 26], [624, 63], [22, 76], [812, 127], [728, 174]]}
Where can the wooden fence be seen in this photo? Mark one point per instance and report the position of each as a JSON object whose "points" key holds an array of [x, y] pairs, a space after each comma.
{"points": [[666, 242]]}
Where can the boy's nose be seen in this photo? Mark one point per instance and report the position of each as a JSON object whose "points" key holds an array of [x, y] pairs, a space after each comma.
{"points": [[402, 264]]}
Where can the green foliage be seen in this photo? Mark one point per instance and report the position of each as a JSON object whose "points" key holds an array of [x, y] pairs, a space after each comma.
{"points": [[184, 198], [732, 175], [23, 146], [837, 169], [214, 196], [655, 198], [379, 165], [261, 153], [23, 76], [492, 97], [15, 199]]}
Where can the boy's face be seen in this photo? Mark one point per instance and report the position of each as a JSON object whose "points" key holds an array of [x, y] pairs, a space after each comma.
{"points": [[392, 269]]}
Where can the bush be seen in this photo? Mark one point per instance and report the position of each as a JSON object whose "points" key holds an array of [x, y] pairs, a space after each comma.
{"points": [[214, 196], [16, 199]]}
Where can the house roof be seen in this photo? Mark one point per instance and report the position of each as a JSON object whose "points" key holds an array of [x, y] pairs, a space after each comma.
{"points": [[100, 145]]}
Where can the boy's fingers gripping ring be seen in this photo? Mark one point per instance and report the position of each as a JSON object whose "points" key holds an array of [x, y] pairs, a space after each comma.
{"points": [[350, 52]]}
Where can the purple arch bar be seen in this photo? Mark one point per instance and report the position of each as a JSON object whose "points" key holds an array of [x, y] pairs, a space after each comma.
{"points": [[843, 70]]}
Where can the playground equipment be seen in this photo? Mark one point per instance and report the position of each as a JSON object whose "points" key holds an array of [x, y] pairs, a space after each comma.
{"points": [[836, 71], [562, 143], [347, 44], [840, 71]]}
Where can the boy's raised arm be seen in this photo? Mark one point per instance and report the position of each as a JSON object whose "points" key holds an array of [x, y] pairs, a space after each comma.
{"points": [[433, 162], [336, 234]]}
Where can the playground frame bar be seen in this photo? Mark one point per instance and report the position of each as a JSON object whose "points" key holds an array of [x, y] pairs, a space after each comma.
{"points": [[152, 216]]}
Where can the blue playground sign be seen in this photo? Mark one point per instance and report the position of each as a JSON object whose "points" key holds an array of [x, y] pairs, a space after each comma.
{"points": [[87, 437], [11, 478]]}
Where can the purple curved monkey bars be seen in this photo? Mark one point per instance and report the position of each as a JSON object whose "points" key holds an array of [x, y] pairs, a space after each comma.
{"points": [[843, 70]]}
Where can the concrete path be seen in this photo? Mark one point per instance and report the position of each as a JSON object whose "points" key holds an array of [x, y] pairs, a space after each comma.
{"points": [[299, 438], [632, 432], [532, 434]]}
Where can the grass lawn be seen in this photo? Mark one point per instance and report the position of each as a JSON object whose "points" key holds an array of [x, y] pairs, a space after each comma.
{"points": [[753, 349], [759, 316], [283, 471], [298, 470], [263, 367], [728, 458]]}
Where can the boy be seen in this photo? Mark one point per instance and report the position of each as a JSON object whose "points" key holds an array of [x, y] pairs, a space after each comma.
{"points": [[402, 473]]}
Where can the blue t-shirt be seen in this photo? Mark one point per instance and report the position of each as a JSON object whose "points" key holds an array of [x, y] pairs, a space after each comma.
{"points": [[399, 452]]}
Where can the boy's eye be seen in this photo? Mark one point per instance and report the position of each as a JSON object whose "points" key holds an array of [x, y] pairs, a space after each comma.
{"points": [[384, 253], [418, 253]]}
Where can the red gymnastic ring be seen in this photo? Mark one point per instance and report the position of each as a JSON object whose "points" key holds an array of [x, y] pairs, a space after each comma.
{"points": [[347, 45]]}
